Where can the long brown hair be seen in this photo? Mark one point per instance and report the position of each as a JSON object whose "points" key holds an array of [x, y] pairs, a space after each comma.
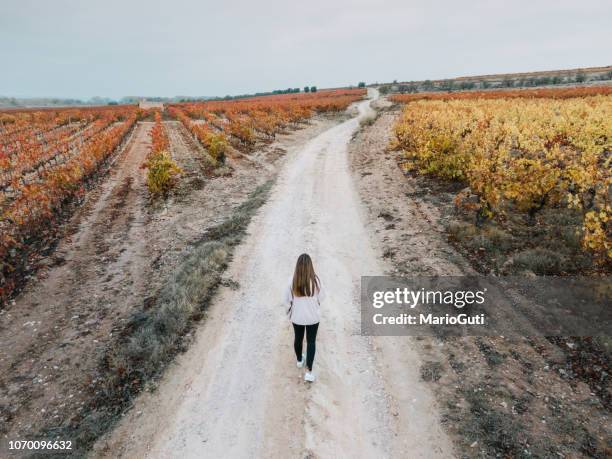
{"points": [[305, 281]]}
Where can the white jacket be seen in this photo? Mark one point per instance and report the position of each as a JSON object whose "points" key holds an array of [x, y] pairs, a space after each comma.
{"points": [[306, 310]]}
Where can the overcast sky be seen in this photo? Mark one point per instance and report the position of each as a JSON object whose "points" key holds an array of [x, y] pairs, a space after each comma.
{"points": [[113, 48]]}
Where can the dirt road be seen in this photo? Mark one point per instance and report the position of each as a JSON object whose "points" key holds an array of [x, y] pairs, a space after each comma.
{"points": [[237, 392]]}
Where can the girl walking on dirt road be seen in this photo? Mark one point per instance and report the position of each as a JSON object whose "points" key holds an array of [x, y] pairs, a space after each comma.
{"points": [[304, 297]]}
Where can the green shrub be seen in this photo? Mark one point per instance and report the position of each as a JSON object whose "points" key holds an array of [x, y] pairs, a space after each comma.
{"points": [[162, 175], [217, 146]]}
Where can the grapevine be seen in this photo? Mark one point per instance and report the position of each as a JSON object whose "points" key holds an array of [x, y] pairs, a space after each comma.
{"points": [[162, 170], [518, 154], [244, 122], [46, 157]]}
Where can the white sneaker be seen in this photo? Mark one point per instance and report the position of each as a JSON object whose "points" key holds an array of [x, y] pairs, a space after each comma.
{"points": [[301, 363], [308, 376]]}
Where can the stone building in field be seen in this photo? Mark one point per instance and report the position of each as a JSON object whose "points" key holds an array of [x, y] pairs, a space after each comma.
{"points": [[147, 104]]}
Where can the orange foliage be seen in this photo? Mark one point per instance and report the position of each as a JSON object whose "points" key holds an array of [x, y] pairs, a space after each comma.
{"points": [[159, 138], [46, 156], [243, 120]]}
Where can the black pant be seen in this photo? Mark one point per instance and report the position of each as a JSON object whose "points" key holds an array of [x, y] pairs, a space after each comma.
{"points": [[311, 338]]}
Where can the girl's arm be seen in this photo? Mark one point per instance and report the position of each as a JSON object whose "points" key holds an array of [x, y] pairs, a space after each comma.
{"points": [[288, 302], [321, 294], [287, 297]]}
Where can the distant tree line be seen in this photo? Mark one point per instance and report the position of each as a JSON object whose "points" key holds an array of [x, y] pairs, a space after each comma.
{"points": [[268, 93], [50, 101], [286, 91]]}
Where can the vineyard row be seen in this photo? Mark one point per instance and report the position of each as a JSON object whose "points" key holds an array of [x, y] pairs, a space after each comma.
{"points": [[518, 155]]}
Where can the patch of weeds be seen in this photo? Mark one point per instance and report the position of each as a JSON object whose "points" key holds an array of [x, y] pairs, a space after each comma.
{"points": [[222, 171], [487, 246], [6, 416], [462, 231], [498, 433], [571, 238], [230, 283], [527, 366], [576, 437], [539, 261], [431, 371], [586, 359], [197, 182], [492, 357], [459, 367], [480, 242], [522, 404], [566, 426], [490, 238], [386, 216], [589, 447], [155, 334], [605, 344], [499, 239]]}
